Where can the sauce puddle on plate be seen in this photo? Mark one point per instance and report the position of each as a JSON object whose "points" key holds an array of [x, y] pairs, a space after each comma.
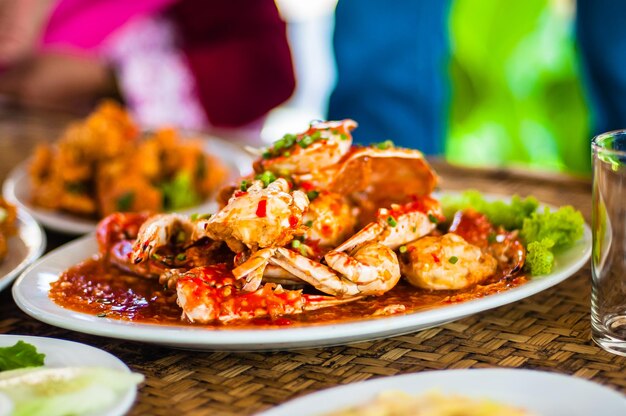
{"points": [[97, 288]]}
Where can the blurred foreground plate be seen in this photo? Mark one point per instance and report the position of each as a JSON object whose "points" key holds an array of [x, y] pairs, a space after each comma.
{"points": [[17, 189], [540, 393], [24, 248], [61, 353], [30, 292]]}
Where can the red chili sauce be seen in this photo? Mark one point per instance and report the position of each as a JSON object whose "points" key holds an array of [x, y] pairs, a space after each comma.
{"points": [[96, 288]]}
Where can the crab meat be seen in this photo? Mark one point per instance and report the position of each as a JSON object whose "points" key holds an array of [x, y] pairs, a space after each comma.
{"points": [[259, 217], [212, 294]]}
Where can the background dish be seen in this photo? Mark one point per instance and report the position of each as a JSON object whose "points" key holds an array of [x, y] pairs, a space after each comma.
{"points": [[545, 394], [62, 353], [17, 189], [31, 295], [24, 248]]}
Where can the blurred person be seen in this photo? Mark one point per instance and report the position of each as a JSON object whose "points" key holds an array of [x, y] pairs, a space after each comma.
{"points": [[601, 36], [189, 63], [392, 71]]}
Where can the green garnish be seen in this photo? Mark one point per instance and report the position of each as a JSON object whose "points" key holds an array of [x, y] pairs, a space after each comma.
{"points": [[309, 223], [312, 195], [125, 201], [546, 232], [539, 257], [453, 259], [509, 215], [387, 144], [266, 177], [402, 249], [432, 218], [201, 168], [20, 355], [305, 142], [3, 214], [392, 221], [343, 136], [179, 192], [181, 257], [296, 243], [244, 185]]}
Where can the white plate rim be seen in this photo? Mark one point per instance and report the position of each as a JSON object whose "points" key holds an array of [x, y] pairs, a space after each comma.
{"points": [[111, 361], [17, 183], [30, 294], [30, 233], [473, 382]]}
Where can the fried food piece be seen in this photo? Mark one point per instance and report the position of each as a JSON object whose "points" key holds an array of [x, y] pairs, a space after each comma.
{"points": [[103, 164], [8, 226]]}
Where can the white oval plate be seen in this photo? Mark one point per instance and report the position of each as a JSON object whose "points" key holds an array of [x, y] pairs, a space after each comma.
{"points": [[542, 393], [30, 292], [17, 189], [61, 353], [24, 248]]}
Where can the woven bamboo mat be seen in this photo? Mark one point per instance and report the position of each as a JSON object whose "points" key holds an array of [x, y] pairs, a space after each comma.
{"points": [[548, 331]]}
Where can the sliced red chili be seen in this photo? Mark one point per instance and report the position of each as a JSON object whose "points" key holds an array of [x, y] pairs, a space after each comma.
{"points": [[261, 209]]}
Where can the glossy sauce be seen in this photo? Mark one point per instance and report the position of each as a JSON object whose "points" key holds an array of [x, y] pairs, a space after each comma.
{"points": [[95, 288]]}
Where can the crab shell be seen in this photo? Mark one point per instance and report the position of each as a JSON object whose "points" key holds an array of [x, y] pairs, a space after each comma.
{"points": [[377, 178]]}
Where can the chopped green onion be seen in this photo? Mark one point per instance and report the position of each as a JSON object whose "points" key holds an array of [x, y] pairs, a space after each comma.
{"points": [[267, 154], [181, 237], [392, 221], [305, 142], [289, 140], [309, 223], [402, 249], [194, 216], [383, 145], [491, 238], [343, 136], [432, 218], [303, 250], [296, 243], [453, 259], [266, 177], [181, 257], [125, 201], [312, 195], [287, 154], [316, 136], [244, 185]]}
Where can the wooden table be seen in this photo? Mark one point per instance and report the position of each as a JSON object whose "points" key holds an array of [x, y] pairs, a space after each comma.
{"points": [[549, 331]]}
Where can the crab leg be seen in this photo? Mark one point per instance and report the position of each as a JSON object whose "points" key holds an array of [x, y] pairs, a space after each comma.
{"points": [[377, 263], [209, 294], [253, 269], [157, 232]]}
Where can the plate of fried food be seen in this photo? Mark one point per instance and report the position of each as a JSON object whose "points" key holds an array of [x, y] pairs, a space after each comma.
{"points": [[105, 164], [468, 392], [325, 243], [22, 241]]}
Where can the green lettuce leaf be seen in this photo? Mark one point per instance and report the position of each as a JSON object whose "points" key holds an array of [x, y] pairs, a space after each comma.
{"points": [[20, 355]]}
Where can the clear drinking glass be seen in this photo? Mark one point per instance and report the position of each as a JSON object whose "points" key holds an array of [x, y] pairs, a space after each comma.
{"points": [[608, 261]]}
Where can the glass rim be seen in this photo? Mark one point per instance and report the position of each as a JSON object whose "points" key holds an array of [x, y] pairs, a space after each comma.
{"points": [[598, 146]]}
